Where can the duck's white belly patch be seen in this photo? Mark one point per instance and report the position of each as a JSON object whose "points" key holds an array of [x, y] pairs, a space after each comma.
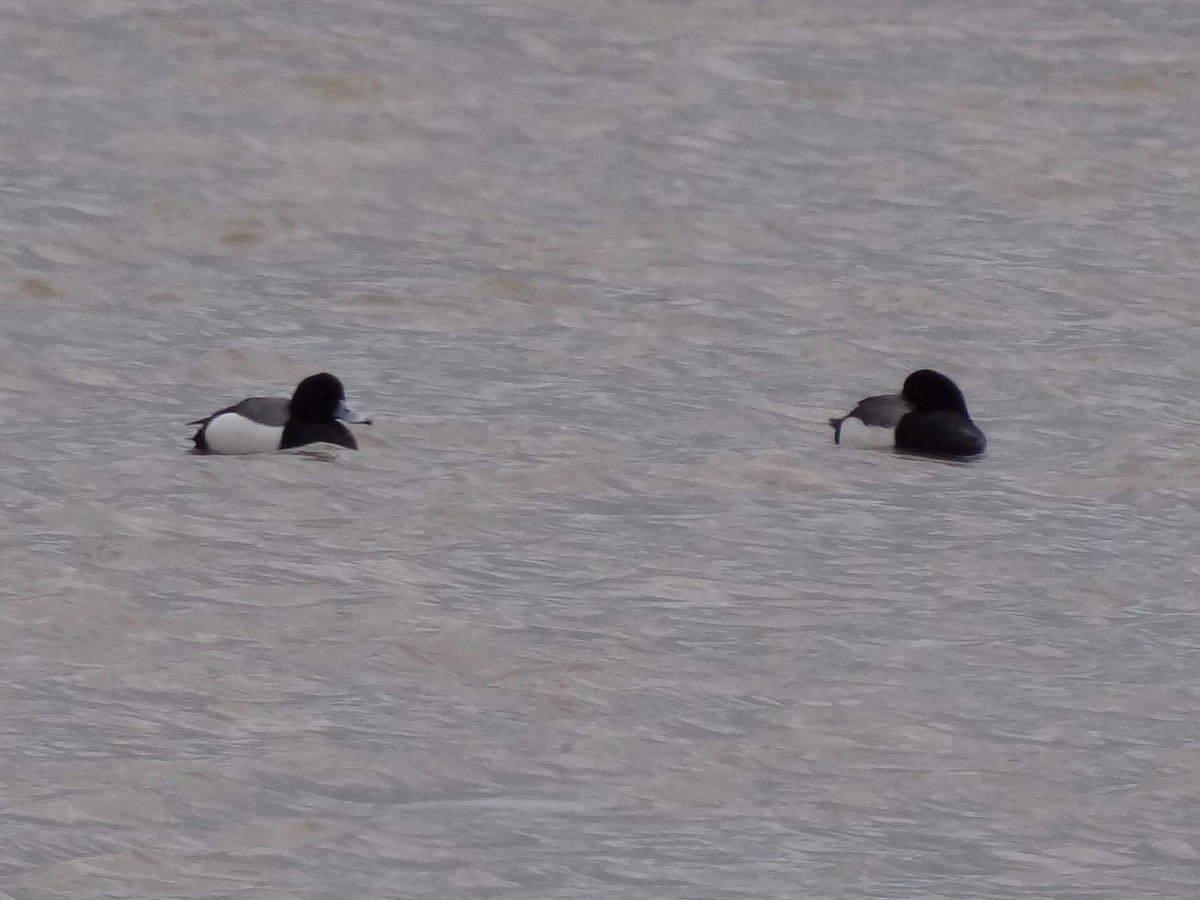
{"points": [[856, 434], [231, 433]]}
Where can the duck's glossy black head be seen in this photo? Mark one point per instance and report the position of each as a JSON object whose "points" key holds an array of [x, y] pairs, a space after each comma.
{"points": [[317, 398], [929, 391]]}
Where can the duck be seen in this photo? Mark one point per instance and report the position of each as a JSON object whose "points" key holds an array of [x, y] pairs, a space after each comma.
{"points": [[269, 424], [929, 416]]}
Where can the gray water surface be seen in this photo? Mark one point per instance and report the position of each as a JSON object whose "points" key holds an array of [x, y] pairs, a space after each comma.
{"points": [[599, 610]]}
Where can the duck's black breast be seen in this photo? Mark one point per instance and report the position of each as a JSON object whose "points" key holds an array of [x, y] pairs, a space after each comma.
{"points": [[941, 433], [298, 432]]}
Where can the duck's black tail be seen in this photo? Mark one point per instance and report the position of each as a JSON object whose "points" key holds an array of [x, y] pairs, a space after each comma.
{"points": [[836, 424]]}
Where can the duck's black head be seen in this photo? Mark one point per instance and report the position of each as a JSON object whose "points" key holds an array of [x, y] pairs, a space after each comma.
{"points": [[317, 398], [929, 391]]}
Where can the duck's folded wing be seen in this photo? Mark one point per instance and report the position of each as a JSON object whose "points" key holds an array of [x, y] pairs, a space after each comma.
{"points": [[272, 411], [883, 411]]}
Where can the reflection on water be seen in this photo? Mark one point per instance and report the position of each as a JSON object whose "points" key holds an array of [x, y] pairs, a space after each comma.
{"points": [[599, 608]]}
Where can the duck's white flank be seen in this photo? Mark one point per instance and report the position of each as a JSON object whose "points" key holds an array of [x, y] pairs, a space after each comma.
{"points": [[232, 433], [856, 434]]}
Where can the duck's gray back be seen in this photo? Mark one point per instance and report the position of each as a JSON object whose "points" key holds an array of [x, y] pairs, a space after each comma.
{"points": [[271, 411], [884, 411]]}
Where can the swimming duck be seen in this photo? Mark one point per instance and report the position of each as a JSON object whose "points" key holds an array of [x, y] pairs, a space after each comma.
{"points": [[267, 424], [928, 416]]}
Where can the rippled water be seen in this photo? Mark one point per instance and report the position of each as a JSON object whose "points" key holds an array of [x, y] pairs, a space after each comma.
{"points": [[599, 610]]}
